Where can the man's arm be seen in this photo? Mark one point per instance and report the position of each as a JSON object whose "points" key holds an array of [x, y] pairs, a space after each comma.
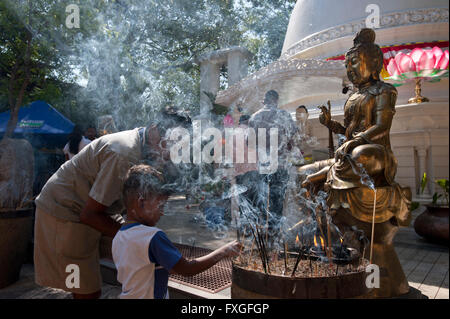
{"points": [[94, 215]]}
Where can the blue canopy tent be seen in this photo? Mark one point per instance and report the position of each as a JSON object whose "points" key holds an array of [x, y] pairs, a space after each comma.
{"points": [[41, 124]]}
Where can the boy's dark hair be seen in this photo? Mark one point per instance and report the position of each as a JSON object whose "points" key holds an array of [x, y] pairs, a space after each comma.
{"points": [[144, 180]]}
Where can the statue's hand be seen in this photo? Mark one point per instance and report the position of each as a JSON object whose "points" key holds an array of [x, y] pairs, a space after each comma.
{"points": [[306, 183], [325, 116]]}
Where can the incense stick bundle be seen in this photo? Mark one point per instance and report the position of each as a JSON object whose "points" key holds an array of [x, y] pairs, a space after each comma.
{"points": [[267, 212], [191, 249], [330, 253], [258, 246], [251, 251], [263, 249], [299, 257], [319, 223], [299, 223], [373, 223], [285, 256]]}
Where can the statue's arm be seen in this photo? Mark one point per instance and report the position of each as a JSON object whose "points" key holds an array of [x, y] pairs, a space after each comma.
{"points": [[336, 127]]}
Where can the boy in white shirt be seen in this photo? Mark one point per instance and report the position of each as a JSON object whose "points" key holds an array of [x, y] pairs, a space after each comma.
{"points": [[142, 253]]}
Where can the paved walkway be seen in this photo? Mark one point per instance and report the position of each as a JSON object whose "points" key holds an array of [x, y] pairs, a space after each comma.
{"points": [[426, 265]]}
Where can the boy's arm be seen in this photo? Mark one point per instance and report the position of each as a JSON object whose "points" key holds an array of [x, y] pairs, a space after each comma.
{"points": [[192, 267]]}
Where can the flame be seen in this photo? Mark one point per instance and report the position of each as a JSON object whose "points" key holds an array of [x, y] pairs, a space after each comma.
{"points": [[322, 243], [297, 241], [315, 241]]}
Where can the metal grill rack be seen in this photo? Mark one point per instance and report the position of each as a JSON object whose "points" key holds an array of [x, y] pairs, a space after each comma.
{"points": [[212, 280]]}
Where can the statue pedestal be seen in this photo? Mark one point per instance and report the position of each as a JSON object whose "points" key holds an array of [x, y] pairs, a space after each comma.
{"points": [[392, 278]]}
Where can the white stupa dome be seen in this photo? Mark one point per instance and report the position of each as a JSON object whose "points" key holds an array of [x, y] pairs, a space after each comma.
{"points": [[316, 24]]}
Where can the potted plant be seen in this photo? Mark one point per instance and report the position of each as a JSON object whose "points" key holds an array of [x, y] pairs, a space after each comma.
{"points": [[16, 210], [433, 223]]}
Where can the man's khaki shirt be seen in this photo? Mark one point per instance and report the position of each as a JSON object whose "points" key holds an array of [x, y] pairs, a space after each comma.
{"points": [[97, 171]]}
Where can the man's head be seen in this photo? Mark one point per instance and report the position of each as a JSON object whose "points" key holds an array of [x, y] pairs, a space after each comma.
{"points": [[91, 133], [144, 194], [158, 131], [271, 98]]}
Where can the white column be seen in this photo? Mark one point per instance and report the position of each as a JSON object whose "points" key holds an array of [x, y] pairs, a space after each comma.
{"points": [[209, 82], [237, 67]]}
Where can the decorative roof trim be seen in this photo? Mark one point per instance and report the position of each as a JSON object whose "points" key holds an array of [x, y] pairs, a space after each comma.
{"points": [[282, 69]]}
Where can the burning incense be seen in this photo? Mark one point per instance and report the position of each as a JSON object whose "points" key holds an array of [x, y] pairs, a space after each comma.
{"points": [[242, 247], [299, 257], [299, 223], [285, 256], [191, 249], [251, 251], [267, 212], [319, 223], [373, 223], [259, 247], [362, 258], [264, 250], [275, 256], [330, 253]]}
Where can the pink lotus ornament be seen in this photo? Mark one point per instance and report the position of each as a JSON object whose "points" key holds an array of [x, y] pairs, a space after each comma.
{"points": [[418, 65]]}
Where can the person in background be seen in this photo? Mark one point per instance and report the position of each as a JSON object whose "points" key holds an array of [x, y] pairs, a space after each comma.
{"points": [[76, 143], [143, 254], [301, 117], [304, 141], [242, 168], [91, 133], [246, 174], [271, 117]]}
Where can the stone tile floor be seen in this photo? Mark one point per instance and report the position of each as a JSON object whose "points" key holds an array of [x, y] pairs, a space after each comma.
{"points": [[426, 265]]}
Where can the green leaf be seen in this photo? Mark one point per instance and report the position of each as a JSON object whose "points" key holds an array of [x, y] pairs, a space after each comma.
{"points": [[414, 206], [444, 184], [436, 196], [423, 183]]}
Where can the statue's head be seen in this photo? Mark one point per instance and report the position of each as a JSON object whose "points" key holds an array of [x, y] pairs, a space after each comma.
{"points": [[364, 60]]}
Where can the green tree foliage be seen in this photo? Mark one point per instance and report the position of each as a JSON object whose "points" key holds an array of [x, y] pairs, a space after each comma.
{"points": [[35, 50], [138, 56]]}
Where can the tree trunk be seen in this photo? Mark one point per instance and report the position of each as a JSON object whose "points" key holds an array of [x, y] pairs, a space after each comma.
{"points": [[15, 105]]}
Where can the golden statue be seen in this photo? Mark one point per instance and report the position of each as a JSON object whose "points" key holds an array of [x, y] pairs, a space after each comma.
{"points": [[364, 165]]}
